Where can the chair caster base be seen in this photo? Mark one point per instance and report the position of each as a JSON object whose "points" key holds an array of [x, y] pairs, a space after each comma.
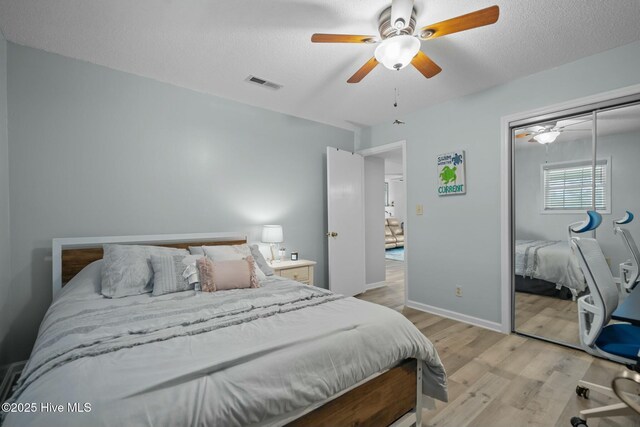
{"points": [[578, 422], [582, 391]]}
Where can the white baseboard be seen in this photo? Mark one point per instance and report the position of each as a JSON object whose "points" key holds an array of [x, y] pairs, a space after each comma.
{"points": [[374, 285], [475, 321]]}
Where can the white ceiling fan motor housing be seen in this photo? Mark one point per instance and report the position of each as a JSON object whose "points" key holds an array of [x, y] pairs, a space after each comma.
{"points": [[401, 13]]}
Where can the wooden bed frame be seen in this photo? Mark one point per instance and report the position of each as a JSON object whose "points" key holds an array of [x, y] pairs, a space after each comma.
{"points": [[392, 397]]}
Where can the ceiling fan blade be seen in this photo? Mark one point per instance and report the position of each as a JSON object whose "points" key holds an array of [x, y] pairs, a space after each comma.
{"points": [[342, 38], [401, 11], [363, 71], [476, 19], [565, 126], [425, 65]]}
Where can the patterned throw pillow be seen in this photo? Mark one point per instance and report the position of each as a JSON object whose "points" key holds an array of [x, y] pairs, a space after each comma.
{"points": [[224, 275], [127, 268], [260, 261], [174, 273]]}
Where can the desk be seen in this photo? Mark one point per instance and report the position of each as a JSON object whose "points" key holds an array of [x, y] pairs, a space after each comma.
{"points": [[629, 310]]}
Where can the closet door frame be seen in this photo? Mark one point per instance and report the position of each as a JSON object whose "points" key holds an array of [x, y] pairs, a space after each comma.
{"points": [[590, 104]]}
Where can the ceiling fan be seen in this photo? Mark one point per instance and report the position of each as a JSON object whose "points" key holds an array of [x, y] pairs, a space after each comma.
{"points": [[548, 133], [398, 46]]}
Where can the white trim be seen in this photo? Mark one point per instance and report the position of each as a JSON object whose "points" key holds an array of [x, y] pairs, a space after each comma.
{"points": [[82, 242], [402, 144], [505, 183], [475, 321], [375, 285], [379, 149]]}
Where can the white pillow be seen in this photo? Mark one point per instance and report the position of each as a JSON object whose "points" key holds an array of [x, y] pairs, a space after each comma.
{"points": [[231, 253]]}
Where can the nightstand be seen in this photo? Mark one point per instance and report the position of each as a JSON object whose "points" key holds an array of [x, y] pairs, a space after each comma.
{"points": [[301, 270]]}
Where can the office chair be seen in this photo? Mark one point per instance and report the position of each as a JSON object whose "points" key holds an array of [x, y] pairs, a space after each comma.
{"points": [[619, 342], [629, 271]]}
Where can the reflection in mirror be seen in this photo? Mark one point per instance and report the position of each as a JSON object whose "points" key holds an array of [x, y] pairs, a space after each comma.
{"points": [[553, 187], [618, 132]]}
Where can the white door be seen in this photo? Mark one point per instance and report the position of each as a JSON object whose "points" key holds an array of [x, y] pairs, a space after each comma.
{"points": [[345, 205]]}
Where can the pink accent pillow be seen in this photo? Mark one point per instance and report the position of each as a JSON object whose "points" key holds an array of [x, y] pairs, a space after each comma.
{"points": [[224, 275]]}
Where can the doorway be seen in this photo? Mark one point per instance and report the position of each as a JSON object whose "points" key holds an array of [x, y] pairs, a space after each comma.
{"points": [[386, 225]]}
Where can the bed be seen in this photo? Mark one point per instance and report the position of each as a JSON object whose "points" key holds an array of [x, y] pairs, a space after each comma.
{"points": [[282, 354], [545, 264]]}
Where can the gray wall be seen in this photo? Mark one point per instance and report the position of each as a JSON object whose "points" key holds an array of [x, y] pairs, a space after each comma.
{"points": [[374, 219], [457, 240], [624, 152], [5, 236], [95, 151]]}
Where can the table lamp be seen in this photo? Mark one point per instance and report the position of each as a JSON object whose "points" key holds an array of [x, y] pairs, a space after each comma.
{"points": [[272, 234]]}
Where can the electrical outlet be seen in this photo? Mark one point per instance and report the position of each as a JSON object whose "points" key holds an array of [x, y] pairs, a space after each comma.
{"points": [[458, 291], [419, 210]]}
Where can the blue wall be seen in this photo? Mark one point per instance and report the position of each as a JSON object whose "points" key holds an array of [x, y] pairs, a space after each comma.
{"points": [[95, 151], [457, 240]]}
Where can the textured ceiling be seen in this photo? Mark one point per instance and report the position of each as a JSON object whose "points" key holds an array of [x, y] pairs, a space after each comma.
{"points": [[212, 46]]}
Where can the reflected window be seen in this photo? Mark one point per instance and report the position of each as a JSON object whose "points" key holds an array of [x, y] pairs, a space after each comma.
{"points": [[567, 186]]}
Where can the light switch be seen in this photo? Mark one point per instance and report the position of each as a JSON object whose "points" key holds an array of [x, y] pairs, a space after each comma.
{"points": [[419, 210]]}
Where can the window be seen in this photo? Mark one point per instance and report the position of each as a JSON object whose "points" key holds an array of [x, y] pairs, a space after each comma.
{"points": [[568, 186]]}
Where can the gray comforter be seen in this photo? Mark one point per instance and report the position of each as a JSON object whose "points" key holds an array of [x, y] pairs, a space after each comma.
{"points": [[549, 260], [241, 357]]}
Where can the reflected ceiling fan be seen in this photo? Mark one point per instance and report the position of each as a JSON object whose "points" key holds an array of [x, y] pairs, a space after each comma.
{"points": [[548, 133], [398, 46]]}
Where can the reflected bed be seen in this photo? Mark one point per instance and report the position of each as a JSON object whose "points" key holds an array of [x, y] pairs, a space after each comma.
{"points": [[548, 261]]}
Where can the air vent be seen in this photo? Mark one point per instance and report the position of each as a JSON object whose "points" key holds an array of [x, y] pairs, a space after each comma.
{"points": [[263, 82]]}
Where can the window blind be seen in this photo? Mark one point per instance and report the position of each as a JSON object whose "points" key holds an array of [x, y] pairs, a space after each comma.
{"points": [[569, 187]]}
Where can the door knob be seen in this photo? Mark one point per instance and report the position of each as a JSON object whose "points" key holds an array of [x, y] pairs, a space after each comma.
{"points": [[332, 234]]}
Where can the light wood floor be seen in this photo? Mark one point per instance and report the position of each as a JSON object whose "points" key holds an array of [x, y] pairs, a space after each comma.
{"points": [[500, 380], [547, 317]]}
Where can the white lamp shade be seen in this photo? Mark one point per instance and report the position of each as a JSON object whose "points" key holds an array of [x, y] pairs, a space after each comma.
{"points": [[547, 137], [272, 234], [395, 53]]}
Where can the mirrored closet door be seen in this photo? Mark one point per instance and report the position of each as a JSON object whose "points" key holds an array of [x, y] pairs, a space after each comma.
{"points": [[562, 168]]}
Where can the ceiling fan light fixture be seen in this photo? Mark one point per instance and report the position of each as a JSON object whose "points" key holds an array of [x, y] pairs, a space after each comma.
{"points": [[395, 53], [547, 137]]}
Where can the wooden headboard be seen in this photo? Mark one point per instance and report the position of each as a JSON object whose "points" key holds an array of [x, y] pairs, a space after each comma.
{"points": [[70, 255]]}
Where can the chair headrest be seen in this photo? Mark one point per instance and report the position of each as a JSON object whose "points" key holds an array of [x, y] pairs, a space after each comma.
{"points": [[626, 219], [593, 221]]}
